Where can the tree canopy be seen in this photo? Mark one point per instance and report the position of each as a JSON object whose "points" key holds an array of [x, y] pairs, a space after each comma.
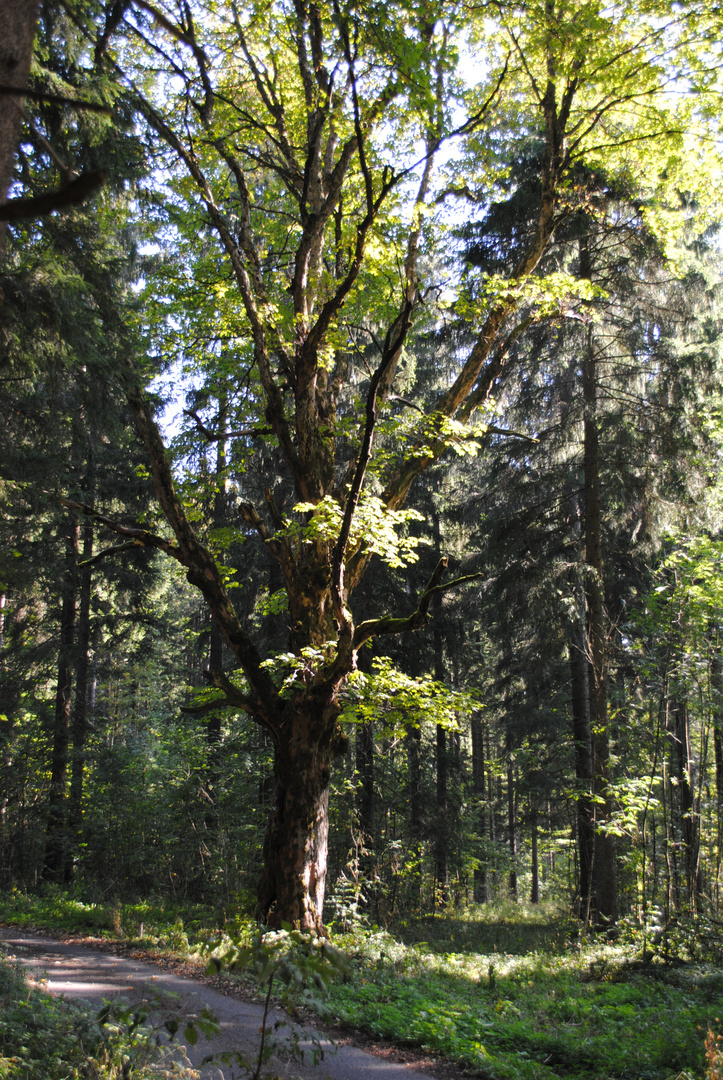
{"points": [[376, 242]]}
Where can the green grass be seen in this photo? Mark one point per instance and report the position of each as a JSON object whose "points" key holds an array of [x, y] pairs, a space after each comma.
{"points": [[568, 1009], [507, 991], [150, 924], [504, 927]]}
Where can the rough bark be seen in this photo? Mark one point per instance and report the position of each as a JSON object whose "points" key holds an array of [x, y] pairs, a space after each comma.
{"points": [[295, 847], [17, 19]]}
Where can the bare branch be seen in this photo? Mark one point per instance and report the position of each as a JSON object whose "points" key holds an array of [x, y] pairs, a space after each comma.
{"points": [[210, 436], [117, 549], [202, 570], [234, 695], [403, 401], [138, 535]]}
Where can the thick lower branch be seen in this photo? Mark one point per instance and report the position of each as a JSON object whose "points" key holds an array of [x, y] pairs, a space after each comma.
{"points": [[390, 625], [76, 192]]}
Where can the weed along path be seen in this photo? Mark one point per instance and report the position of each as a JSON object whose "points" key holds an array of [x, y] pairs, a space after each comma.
{"points": [[79, 972]]}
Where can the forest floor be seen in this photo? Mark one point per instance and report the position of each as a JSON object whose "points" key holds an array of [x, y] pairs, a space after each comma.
{"points": [[96, 970], [504, 993]]}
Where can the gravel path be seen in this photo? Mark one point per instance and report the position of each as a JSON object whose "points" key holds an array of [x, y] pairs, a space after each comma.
{"points": [[79, 972]]}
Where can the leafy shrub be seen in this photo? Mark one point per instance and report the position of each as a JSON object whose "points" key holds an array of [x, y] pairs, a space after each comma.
{"points": [[46, 1038]]}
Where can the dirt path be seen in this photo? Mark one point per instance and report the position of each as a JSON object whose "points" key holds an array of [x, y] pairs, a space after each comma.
{"points": [[77, 971]]}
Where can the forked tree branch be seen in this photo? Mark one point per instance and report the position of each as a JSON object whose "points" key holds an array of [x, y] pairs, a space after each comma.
{"points": [[202, 570], [389, 625]]}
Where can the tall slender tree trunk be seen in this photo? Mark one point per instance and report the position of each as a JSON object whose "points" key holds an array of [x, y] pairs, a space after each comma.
{"points": [[604, 869], [511, 820], [441, 856], [79, 720], [479, 788], [416, 815], [492, 804], [441, 853], [582, 746], [534, 856], [215, 652], [56, 841], [6, 703], [716, 682], [365, 769], [215, 644], [689, 820]]}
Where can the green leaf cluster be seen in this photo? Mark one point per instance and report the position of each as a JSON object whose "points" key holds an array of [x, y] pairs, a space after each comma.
{"points": [[375, 528], [397, 701]]}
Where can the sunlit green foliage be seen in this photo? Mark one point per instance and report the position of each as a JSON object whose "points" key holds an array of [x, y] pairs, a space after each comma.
{"points": [[545, 1008], [43, 1038]]}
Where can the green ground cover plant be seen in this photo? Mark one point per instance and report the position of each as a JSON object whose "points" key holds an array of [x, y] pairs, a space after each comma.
{"points": [[146, 923], [47, 1038], [573, 1008], [509, 992]]}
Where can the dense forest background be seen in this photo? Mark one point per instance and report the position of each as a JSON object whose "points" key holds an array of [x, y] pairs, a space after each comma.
{"points": [[553, 726]]}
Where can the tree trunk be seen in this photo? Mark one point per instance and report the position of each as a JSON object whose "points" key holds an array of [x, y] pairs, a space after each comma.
{"points": [[56, 833], [365, 769], [79, 729], [492, 804], [535, 886], [215, 652], [479, 788], [441, 844], [293, 881], [687, 809], [17, 19], [604, 869], [441, 849], [582, 746], [716, 685], [511, 821], [414, 739]]}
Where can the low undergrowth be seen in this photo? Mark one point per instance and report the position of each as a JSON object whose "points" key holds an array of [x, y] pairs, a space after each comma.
{"points": [[583, 1014], [508, 992], [150, 924], [47, 1038]]}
